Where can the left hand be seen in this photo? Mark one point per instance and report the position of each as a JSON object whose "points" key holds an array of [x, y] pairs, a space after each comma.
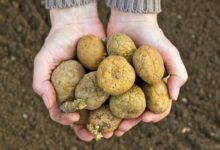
{"points": [[144, 29]]}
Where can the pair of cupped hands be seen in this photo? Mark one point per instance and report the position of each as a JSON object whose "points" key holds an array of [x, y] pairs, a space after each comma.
{"points": [[68, 25]]}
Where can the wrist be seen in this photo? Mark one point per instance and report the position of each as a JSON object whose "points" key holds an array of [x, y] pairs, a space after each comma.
{"points": [[74, 15], [119, 16]]}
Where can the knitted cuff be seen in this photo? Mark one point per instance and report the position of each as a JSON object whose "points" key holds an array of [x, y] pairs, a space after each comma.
{"points": [[50, 4], [136, 6]]}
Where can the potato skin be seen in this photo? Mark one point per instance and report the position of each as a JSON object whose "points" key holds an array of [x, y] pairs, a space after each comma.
{"points": [[121, 44], [128, 105], [158, 100], [115, 75], [89, 90], [90, 51], [148, 64], [104, 119], [84, 117], [65, 78]]}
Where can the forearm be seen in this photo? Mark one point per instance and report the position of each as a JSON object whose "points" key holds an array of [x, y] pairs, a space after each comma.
{"points": [[72, 15]]}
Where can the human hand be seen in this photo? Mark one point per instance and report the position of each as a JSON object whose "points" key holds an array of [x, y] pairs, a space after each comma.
{"points": [[144, 29], [68, 25]]}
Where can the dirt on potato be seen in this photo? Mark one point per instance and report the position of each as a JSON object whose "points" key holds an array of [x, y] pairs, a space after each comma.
{"points": [[128, 105], [88, 90], [193, 124], [121, 44], [65, 78], [90, 51], [148, 64], [157, 97], [115, 75], [102, 120]]}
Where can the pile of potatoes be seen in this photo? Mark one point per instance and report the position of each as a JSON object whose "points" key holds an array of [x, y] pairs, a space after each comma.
{"points": [[111, 82]]}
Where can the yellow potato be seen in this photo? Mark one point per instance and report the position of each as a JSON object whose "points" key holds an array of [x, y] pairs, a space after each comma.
{"points": [[148, 64], [121, 44], [88, 90], [90, 51], [128, 105], [102, 121], [115, 75], [65, 78], [158, 100]]}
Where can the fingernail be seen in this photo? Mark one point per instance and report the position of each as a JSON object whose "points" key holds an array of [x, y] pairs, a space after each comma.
{"points": [[119, 133], [45, 99], [75, 117], [176, 93]]}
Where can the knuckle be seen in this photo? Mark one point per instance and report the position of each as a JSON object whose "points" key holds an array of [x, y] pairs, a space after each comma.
{"points": [[55, 118]]}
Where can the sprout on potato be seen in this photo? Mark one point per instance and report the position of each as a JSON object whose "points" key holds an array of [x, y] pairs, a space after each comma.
{"points": [[115, 75], [128, 105], [102, 121], [88, 95], [148, 64], [121, 44], [90, 51], [65, 78], [158, 100]]}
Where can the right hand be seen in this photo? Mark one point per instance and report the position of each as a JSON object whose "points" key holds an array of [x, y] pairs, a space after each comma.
{"points": [[68, 25]]}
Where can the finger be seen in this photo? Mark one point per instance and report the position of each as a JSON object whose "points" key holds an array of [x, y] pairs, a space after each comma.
{"points": [[152, 117], [126, 125], [82, 132], [108, 135], [63, 118], [119, 133], [177, 71]]}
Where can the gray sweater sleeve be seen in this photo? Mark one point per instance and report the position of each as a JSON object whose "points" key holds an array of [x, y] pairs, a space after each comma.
{"points": [[49, 4], [136, 6]]}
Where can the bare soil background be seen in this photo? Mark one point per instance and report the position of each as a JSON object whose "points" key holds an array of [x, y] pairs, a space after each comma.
{"points": [[194, 123]]}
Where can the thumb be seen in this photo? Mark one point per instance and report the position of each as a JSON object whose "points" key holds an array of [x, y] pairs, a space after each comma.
{"points": [[177, 71]]}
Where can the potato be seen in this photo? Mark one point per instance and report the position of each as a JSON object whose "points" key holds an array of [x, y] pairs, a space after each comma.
{"points": [[84, 117], [158, 100], [121, 44], [148, 64], [128, 105], [88, 95], [89, 90], [65, 78], [102, 121], [90, 51], [115, 75]]}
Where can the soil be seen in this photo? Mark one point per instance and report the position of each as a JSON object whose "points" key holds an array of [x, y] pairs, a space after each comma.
{"points": [[194, 123]]}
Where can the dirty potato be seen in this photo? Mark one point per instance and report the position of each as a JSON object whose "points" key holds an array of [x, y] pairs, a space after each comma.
{"points": [[128, 105], [90, 51], [102, 121], [88, 95], [65, 78], [89, 90], [121, 44], [148, 64], [115, 75], [158, 100]]}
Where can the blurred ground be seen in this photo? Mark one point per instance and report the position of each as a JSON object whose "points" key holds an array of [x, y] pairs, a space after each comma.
{"points": [[194, 122]]}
